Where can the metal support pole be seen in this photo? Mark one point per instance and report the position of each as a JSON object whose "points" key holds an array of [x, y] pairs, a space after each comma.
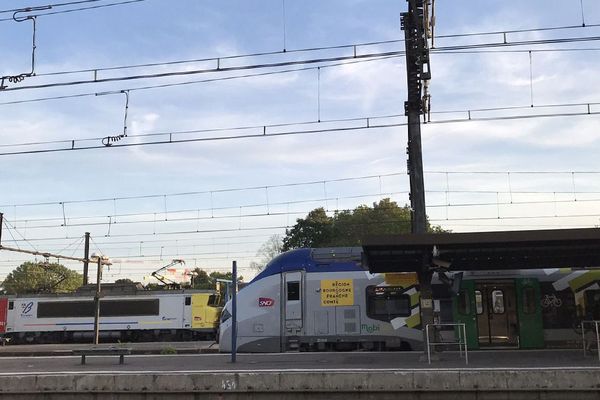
{"points": [[597, 340], [97, 302], [234, 312], [427, 338], [464, 326], [1, 225], [86, 256], [417, 71], [583, 336]]}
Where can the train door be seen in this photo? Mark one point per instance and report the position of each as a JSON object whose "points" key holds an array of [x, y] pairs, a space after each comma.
{"points": [[464, 311], [293, 304], [198, 303], [531, 327], [496, 309]]}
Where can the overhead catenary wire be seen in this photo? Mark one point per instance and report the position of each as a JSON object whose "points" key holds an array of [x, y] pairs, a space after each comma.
{"points": [[62, 220], [51, 6], [284, 71], [171, 213], [217, 68], [54, 5], [185, 83], [366, 125], [212, 191], [213, 241], [10, 227], [20, 77], [282, 228], [264, 127], [351, 46], [220, 69], [115, 249], [305, 212], [513, 31]]}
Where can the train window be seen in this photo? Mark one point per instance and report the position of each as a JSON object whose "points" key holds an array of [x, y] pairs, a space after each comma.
{"points": [[11, 305], [478, 302], [188, 300], [387, 303], [529, 300], [293, 291], [108, 308], [498, 301], [464, 303], [213, 300]]}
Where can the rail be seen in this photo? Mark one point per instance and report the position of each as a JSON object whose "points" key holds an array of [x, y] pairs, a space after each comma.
{"points": [[595, 323], [462, 340]]}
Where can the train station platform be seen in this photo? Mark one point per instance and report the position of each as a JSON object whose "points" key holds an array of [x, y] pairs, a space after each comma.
{"points": [[548, 374], [37, 350]]}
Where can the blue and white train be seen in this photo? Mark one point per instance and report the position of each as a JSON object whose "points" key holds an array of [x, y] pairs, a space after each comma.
{"points": [[323, 299]]}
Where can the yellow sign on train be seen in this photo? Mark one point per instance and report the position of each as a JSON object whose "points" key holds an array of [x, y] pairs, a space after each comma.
{"points": [[337, 292], [403, 279]]}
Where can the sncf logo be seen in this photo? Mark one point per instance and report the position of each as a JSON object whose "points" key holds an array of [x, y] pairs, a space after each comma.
{"points": [[265, 302]]}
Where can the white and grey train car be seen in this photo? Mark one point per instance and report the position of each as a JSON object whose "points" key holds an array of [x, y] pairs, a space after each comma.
{"points": [[322, 299], [138, 316]]}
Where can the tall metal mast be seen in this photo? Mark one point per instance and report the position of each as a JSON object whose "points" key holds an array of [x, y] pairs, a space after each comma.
{"points": [[414, 24]]}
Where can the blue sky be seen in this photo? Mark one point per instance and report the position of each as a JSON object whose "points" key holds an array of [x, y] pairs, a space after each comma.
{"points": [[215, 226]]}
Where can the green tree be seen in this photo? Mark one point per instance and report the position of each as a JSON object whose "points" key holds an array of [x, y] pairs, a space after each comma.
{"points": [[347, 228], [202, 280], [124, 280], [313, 231], [31, 277]]}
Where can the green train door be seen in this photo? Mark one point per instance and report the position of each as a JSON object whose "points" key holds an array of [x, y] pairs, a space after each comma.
{"points": [[464, 310], [496, 308], [531, 329]]}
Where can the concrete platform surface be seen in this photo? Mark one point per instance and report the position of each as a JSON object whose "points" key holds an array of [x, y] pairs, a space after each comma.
{"points": [[490, 375], [340, 361], [136, 348]]}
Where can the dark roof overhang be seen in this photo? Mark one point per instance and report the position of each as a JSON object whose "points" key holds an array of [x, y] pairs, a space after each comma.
{"points": [[535, 249]]}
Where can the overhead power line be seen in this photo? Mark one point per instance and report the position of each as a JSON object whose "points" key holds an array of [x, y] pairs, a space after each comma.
{"points": [[35, 9], [366, 124], [70, 3], [281, 228], [355, 47], [264, 128], [279, 72], [271, 214], [219, 68], [209, 192], [513, 31], [185, 83]]}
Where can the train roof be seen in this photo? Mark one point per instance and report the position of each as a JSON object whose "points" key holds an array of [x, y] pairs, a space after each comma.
{"points": [[332, 259]]}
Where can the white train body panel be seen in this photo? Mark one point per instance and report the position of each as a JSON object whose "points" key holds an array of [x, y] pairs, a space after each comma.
{"points": [[312, 309], [24, 317], [139, 315]]}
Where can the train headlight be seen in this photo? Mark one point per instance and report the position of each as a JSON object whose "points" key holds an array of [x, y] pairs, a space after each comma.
{"points": [[225, 315]]}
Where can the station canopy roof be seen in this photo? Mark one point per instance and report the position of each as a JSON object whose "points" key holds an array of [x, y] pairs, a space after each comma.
{"points": [[560, 248]]}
